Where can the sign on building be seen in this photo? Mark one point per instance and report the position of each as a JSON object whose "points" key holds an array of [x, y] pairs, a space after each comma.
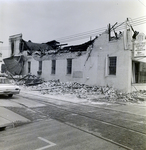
{"points": [[140, 45]]}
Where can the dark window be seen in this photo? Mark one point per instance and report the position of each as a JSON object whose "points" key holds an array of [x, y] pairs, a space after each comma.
{"points": [[29, 66], [40, 65], [112, 65], [53, 67], [69, 66], [12, 48], [137, 66]]}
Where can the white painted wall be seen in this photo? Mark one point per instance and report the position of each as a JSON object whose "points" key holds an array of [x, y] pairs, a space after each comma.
{"points": [[105, 48], [34, 66], [81, 72], [93, 71]]}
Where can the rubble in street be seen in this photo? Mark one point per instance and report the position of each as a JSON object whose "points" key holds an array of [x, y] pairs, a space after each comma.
{"points": [[92, 93]]}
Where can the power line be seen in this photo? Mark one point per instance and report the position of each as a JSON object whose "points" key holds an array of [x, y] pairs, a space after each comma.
{"points": [[142, 3], [119, 26], [95, 34], [83, 33], [134, 23]]}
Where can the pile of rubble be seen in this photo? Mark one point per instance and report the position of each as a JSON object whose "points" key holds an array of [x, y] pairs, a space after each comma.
{"points": [[93, 93], [28, 80]]}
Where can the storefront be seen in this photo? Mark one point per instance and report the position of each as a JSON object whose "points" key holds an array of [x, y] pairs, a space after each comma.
{"points": [[139, 63]]}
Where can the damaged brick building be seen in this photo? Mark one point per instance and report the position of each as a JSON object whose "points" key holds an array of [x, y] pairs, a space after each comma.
{"points": [[118, 61]]}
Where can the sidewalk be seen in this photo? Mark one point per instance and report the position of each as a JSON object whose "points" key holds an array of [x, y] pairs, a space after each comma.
{"points": [[10, 119], [66, 97], [132, 108]]}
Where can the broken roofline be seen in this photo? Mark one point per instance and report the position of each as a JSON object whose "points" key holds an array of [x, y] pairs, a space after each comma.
{"points": [[80, 47], [52, 45], [24, 46]]}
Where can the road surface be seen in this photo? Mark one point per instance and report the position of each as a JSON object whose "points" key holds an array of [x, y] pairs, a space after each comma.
{"points": [[111, 124]]}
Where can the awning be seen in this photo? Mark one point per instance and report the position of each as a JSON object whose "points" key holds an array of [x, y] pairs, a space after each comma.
{"points": [[139, 59]]}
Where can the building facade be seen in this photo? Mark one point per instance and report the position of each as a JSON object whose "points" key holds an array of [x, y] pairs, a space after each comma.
{"points": [[117, 61]]}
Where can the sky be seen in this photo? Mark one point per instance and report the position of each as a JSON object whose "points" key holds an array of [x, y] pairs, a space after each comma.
{"points": [[45, 20]]}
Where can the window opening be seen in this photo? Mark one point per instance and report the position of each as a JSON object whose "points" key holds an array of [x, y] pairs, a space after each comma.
{"points": [[29, 66], [136, 72], [53, 67], [112, 65], [12, 48], [69, 66], [40, 65]]}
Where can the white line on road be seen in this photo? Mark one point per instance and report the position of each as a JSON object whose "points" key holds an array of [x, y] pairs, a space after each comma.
{"points": [[45, 147]]}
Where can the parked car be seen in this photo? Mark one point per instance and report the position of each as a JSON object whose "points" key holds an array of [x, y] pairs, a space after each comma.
{"points": [[6, 88]]}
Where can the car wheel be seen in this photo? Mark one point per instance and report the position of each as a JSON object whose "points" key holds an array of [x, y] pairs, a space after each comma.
{"points": [[10, 95]]}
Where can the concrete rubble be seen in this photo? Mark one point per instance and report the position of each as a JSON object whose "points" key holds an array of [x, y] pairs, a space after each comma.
{"points": [[93, 93]]}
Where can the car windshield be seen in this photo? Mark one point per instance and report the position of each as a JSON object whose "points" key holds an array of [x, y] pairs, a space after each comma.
{"points": [[4, 81]]}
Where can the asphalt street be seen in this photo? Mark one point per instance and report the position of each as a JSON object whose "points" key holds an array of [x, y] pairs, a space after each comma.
{"points": [[93, 126], [52, 135]]}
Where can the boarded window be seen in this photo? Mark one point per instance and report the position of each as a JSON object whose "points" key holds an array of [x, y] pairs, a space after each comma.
{"points": [[112, 65], [69, 66], [53, 70], [29, 66]]}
